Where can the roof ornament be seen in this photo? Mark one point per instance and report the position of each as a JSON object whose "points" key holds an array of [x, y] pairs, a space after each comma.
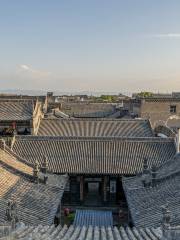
{"points": [[166, 226], [44, 166], [166, 214], [45, 179], [145, 166], [154, 174], [11, 213], [36, 172], [2, 144], [146, 174]]}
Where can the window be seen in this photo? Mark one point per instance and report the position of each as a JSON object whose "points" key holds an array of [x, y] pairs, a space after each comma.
{"points": [[173, 109]]}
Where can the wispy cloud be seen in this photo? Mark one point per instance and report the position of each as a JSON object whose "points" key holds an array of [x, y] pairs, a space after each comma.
{"points": [[23, 68], [164, 35]]}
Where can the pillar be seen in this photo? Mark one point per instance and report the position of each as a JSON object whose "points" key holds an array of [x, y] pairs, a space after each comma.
{"points": [[105, 188], [178, 139], [81, 189]]}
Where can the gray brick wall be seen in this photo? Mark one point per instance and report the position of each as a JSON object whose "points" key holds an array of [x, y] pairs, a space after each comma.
{"points": [[158, 111]]}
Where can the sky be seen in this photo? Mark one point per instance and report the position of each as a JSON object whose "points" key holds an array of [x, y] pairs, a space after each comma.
{"points": [[90, 45]]}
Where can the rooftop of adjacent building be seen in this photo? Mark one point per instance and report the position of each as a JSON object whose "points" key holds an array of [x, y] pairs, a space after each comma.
{"points": [[103, 155], [36, 200], [95, 128], [88, 231], [147, 192]]}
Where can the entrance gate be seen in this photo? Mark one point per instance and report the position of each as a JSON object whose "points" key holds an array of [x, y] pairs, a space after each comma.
{"points": [[93, 191]]}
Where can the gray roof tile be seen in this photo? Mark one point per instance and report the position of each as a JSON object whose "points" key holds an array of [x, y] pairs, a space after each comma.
{"points": [[95, 155], [36, 203], [86, 233], [145, 203], [95, 128], [16, 110]]}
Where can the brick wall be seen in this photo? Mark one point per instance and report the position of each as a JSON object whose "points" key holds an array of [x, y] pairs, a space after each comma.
{"points": [[158, 111]]}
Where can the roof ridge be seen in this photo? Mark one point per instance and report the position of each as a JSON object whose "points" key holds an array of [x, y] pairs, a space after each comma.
{"points": [[96, 119], [20, 159], [14, 170], [71, 138]]}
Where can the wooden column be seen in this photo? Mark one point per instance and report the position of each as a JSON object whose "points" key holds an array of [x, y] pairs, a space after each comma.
{"points": [[81, 189], [105, 188]]}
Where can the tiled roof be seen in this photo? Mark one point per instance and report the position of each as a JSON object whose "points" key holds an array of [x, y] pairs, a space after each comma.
{"points": [[10, 160], [58, 114], [171, 167], [85, 233], [95, 155], [95, 128], [161, 99], [36, 203], [145, 202], [14, 110], [93, 218], [164, 130]]}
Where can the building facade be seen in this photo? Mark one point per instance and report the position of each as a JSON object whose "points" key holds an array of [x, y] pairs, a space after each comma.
{"points": [[158, 110]]}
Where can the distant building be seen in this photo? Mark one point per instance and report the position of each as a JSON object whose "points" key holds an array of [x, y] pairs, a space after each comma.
{"points": [[88, 110], [158, 110], [19, 116], [72, 98]]}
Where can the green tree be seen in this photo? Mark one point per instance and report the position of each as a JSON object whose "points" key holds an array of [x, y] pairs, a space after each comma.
{"points": [[145, 94]]}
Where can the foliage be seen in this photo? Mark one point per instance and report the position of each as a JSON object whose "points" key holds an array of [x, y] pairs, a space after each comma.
{"points": [[105, 98], [109, 98], [71, 217], [145, 94]]}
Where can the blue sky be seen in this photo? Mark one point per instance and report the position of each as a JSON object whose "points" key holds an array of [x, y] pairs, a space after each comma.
{"points": [[91, 45]]}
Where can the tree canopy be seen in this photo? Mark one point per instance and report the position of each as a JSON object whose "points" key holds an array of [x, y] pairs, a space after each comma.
{"points": [[145, 94]]}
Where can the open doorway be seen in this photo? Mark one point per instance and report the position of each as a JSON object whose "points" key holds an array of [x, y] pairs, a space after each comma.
{"points": [[93, 187], [93, 193]]}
